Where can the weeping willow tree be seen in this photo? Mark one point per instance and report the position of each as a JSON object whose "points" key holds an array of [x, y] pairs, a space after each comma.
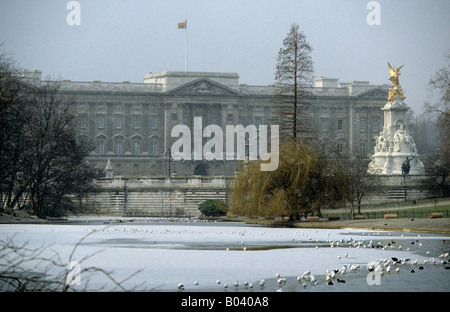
{"points": [[303, 183]]}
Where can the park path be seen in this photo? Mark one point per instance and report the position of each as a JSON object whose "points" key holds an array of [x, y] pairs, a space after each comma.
{"points": [[393, 207]]}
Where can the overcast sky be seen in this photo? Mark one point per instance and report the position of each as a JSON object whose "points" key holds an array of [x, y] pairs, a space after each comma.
{"points": [[124, 40]]}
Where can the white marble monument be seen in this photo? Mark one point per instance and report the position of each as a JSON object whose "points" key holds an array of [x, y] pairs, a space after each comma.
{"points": [[395, 150]]}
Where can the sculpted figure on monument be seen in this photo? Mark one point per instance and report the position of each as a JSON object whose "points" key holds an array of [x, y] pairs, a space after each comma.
{"points": [[396, 89], [403, 142], [399, 137], [381, 144], [394, 75], [378, 140]]}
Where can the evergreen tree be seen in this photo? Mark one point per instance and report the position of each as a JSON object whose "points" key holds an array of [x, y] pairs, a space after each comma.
{"points": [[294, 82]]}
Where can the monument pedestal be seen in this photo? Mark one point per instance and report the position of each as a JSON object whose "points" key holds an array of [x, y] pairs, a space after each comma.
{"points": [[391, 163]]}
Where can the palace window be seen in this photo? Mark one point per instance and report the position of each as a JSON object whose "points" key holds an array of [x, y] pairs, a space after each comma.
{"points": [[340, 125], [375, 125], [118, 147], [154, 123], [362, 125], [135, 122], [83, 123], [153, 149], [118, 122], [136, 148], [362, 148], [101, 147], [100, 121]]}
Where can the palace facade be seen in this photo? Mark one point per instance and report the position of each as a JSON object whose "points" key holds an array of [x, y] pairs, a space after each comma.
{"points": [[130, 123]]}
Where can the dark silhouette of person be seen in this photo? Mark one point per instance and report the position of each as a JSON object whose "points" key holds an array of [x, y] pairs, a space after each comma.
{"points": [[406, 166]]}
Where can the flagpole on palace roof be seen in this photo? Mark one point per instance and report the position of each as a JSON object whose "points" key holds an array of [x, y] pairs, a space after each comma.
{"points": [[185, 48], [183, 25]]}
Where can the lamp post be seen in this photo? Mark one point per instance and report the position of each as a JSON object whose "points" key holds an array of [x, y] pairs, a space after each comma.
{"points": [[169, 152], [405, 171]]}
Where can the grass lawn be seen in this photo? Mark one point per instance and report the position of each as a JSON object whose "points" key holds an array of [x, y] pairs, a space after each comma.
{"points": [[421, 209]]}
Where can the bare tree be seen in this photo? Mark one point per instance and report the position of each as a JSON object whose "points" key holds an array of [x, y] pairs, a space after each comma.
{"points": [[437, 172], [14, 116], [294, 79], [440, 82], [440, 167], [426, 134], [31, 269], [42, 158], [353, 179], [56, 166]]}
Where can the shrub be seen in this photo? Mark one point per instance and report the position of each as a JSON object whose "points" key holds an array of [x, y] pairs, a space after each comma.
{"points": [[213, 208]]}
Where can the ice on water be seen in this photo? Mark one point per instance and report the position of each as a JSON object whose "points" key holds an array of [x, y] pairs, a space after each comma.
{"points": [[169, 253]]}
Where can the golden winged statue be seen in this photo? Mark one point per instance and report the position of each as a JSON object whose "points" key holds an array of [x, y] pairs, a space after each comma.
{"points": [[395, 84], [394, 75]]}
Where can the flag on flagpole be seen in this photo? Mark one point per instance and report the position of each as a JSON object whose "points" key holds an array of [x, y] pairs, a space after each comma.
{"points": [[183, 25]]}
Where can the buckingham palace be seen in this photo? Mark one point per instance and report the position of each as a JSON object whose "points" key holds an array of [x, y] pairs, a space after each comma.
{"points": [[130, 123]]}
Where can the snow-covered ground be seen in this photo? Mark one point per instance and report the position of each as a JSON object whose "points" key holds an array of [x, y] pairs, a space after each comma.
{"points": [[199, 254]]}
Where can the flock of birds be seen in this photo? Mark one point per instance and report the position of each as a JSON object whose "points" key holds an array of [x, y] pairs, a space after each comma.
{"points": [[331, 276], [381, 266]]}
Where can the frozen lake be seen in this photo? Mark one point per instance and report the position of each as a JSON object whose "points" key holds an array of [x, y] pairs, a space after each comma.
{"points": [[199, 254]]}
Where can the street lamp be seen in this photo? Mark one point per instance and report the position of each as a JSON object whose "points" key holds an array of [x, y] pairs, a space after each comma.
{"points": [[169, 153]]}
